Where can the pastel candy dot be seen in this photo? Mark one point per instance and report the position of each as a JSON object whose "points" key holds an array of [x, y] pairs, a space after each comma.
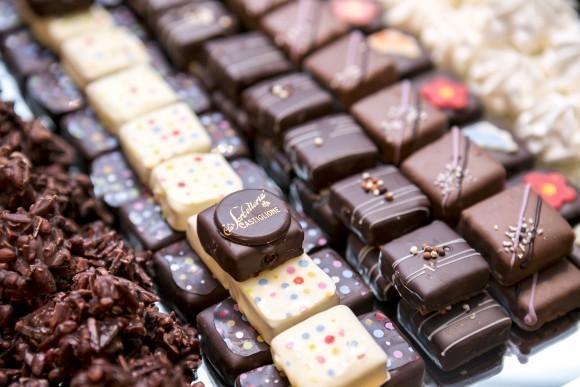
{"points": [[311, 274], [336, 263], [303, 263], [231, 323], [293, 296], [329, 339], [347, 274], [398, 354], [247, 345], [306, 336], [378, 333], [290, 270], [239, 334], [320, 359], [284, 285], [320, 328], [262, 281], [298, 280], [331, 373], [389, 325], [312, 347], [344, 289], [322, 285], [290, 345]]}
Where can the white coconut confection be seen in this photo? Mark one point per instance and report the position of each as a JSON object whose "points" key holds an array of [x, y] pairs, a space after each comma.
{"points": [[527, 24], [550, 129], [562, 59], [507, 81], [414, 15]]}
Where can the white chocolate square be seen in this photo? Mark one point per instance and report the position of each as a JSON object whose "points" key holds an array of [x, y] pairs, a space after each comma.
{"points": [[128, 94], [162, 135], [52, 31], [187, 185], [330, 349], [276, 299], [96, 54]]}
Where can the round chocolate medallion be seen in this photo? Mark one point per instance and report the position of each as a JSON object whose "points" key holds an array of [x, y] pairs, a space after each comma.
{"points": [[252, 217]]}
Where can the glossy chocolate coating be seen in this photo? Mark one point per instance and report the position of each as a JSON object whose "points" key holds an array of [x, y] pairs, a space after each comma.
{"points": [[229, 342], [452, 188], [225, 138], [460, 114], [399, 131], [153, 9], [351, 69], [314, 237], [529, 343], [243, 60], [275, 162], [265, 376], [490, 228], [406, 367], [350, 287], [57, 7], [84, 130], [466, 330], [254, 177], [495, 137], [555, 295], [428, 284], [143, 222], [301, 31], [329, 149], [182, 30], [366, 261], [113, 180], [24, 55], [190, 91], [263, 234], [233, 112], [563, 195], [184, 281], [378, 217], [278, 104]]}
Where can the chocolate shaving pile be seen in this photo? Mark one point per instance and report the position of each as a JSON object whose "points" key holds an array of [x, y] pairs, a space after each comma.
{"points": [[76, 303]]}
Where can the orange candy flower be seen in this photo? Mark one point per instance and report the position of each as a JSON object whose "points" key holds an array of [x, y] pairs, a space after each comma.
{"points": [[552, 187], [444, 93]]}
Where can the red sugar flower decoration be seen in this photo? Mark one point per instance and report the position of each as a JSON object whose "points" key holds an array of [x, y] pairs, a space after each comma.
{"points": [[445, 93], [552, 187]]}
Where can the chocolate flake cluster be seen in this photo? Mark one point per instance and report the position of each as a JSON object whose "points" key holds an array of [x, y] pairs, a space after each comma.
{"points": [[76, 303]]}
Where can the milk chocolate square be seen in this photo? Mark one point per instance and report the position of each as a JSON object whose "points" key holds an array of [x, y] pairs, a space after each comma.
{"points": [[380, 204], [243, 60], [182, 30], [184, 281], [405, 365], [249, 231], [433, 267], [300, 27], [460, 333], [278, 104], [229, 342], [329, 149], [399, 121], [517, 232], [547, 295], [351, 69], [454, 173]]}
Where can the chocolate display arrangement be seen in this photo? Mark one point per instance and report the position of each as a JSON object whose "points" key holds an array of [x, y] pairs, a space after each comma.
{"points": [[284, 283]]}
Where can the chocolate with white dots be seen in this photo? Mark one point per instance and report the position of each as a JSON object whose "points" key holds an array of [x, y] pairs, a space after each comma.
{"points": [[113, 180], [314, 237], [190, 91], [23, 54], [225, 138], [86, 133], [265, 376]]}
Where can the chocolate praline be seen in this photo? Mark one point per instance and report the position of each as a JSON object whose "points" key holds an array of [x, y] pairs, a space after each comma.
{"points": [[24, 55], [225, 138], [87, 134], [113, 180], [275, 161], [254, 177]]}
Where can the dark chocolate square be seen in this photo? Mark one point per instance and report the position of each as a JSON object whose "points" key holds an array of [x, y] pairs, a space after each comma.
{"points": [[254, 177], [380, 204], [329, 149], [243, 60], [351, 69], [406, 367], [24, 55], [53, 94], [190, 91], [315, 205], [350, 287], [143, 222], [461, 333], [153, 9], [399, 121], [229, 342], [366, 261], [84, 130], [433, 267], [517, 214], [547, 295], [275, 162], [300, 27], [314, 237], [9, 17], [252, 11], [455, 174], [113, 180], [184, 282], [249, 231], [495, 138], [225, 138], [278, 104], [57, 8], [447, 93], [182, 30], [265, 376], [555, 189]]}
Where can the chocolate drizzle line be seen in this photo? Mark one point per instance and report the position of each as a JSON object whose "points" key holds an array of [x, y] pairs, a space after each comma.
{"points": [[537, 214], [455, 159], [531, 318], [521, 217], [405, 101], [418, 110]]}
